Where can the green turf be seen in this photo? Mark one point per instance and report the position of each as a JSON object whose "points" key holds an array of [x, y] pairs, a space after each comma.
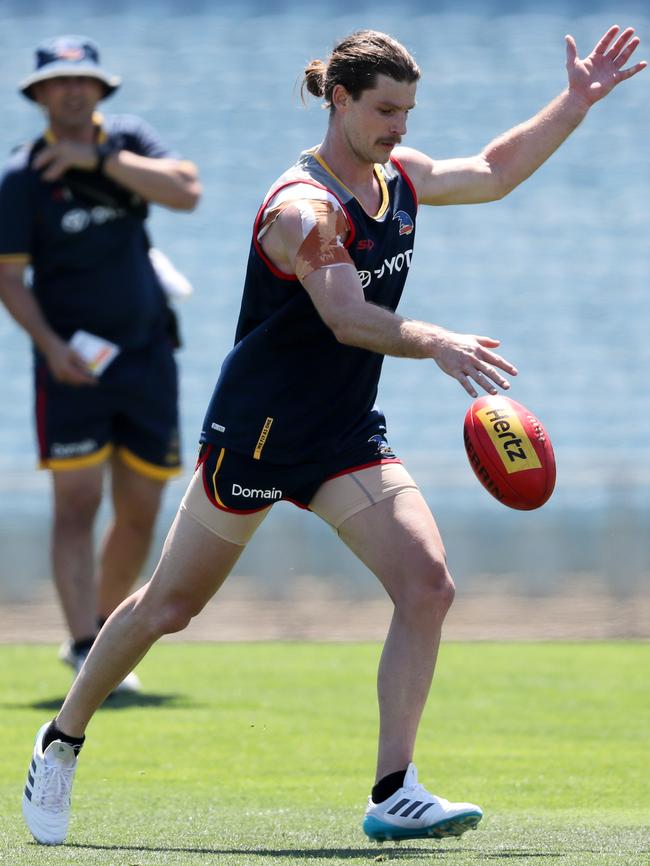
{"points": [[259, 754]]}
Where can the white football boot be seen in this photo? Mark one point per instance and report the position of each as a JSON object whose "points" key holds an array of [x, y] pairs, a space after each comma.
{"points": [[130, 684], [46, 799], [413, 813]]}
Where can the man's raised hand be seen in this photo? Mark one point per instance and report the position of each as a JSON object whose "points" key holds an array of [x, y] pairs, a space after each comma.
{"points": [[598, 74]]}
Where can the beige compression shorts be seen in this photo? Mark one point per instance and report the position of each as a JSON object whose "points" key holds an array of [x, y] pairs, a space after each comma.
{"points": [[335, 501]]}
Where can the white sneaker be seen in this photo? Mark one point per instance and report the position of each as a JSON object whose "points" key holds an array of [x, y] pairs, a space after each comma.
{"points": [[130, 684], [46, 800], [414, 813], [71, 658]]}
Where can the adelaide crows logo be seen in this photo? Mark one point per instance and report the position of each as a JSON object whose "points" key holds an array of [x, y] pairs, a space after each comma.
{"points": [[384, 451], [70, 52], [405, 222]]}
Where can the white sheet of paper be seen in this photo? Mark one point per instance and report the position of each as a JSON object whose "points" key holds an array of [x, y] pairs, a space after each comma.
{"points": [[96, 352]]}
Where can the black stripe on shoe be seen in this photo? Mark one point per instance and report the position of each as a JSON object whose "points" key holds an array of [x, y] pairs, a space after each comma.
{"points": [[28, 792], [421, 812], [399, 806], [30, 779], [409, 809]]}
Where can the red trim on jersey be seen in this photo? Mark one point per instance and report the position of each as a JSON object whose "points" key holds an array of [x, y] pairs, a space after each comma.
{"points": [[258, 246], [363, 466], [398, 165], [203, 454], [41, 411]]}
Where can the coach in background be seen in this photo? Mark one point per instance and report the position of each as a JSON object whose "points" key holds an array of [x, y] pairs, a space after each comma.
{"points": [[73, 206]]}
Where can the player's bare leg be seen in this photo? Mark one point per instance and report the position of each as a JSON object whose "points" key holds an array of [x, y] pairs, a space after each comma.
{"points": [[194, 564], [399, 541], [136, 502], [77, 496]]}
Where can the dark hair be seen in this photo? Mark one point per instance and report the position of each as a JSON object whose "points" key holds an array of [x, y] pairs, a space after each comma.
{"points": [[356, 62]]}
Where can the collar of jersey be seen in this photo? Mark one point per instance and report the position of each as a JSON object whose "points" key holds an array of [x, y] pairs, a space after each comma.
{"points": [[378, 174], [98, 122]]}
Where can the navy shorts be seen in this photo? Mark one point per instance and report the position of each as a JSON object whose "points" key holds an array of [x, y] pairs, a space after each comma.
{"points": [[133, 410], [241, 484]]}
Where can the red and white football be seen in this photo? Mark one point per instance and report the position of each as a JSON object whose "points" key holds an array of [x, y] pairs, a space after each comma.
{"points": [[510, 452]]}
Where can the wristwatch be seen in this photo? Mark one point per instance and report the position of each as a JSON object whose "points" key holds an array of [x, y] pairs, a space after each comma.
{"points": [[103, 151]]}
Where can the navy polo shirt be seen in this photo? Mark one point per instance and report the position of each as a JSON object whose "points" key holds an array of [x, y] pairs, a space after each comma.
{"points": [[85, 239]]}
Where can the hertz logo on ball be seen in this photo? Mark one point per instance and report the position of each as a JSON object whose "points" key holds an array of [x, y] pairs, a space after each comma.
{"points": [[509, 438]]}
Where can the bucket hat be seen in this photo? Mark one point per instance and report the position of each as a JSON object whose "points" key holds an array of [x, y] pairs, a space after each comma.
{"points": [[68, 56]]}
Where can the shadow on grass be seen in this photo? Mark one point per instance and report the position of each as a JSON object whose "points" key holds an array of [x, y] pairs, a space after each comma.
{"points": [[115, 702], [376, 853], [509, 855]]}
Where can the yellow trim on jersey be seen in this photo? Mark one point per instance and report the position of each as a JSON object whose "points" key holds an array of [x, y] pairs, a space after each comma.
{"points": [[384, 193], [64, 464], [98, 123], [222, 454], [378, 174], [261, 442], [15, 258], [98, 120], [149, 470]]}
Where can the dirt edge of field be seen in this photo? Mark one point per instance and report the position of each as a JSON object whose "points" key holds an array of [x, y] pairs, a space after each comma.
{"points": [[313, 610]]}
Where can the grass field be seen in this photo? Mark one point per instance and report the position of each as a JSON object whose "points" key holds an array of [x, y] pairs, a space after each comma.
{"points": [[260, 754]]}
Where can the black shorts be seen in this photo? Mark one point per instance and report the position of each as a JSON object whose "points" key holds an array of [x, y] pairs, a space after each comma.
{"points": [[133, 409], [241, 484]]}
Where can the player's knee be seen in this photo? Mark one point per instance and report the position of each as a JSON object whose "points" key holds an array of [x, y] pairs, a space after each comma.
{"points": [[174, 615], [136, 523], [78, 508], [429, 592], [447, 591], [438, 590]]}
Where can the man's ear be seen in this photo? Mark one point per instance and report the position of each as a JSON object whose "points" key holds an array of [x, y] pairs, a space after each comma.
{"points": [[341, 97]]}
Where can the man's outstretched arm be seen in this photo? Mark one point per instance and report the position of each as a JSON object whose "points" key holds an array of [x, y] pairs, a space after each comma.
{"points": [[513, 156]]}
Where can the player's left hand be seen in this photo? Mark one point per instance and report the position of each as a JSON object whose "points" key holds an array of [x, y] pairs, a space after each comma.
{"points": [[56, 159], [598, 74]]}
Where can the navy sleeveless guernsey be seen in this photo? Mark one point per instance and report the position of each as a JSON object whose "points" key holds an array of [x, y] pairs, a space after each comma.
{"points": [[288, 391]]}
